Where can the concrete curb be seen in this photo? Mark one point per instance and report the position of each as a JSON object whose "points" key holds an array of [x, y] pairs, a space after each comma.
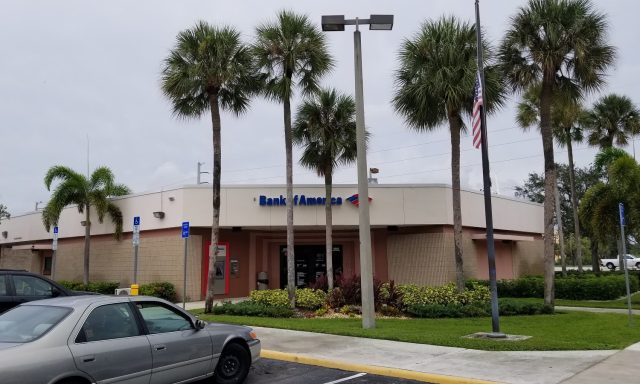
{"points": [[375, 370]]}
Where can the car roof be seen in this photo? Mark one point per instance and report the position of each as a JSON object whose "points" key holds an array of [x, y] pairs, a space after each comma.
{"points": [[84, 301]]}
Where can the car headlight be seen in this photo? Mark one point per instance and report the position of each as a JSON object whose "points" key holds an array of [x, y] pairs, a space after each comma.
{"points": [[253, 335]]}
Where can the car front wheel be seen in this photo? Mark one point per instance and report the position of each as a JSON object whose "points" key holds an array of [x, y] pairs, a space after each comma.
{"points": [[233, 365], [611, 266]]}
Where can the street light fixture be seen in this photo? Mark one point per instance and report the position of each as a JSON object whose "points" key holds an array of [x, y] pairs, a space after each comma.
{"points": [[334, 23]]}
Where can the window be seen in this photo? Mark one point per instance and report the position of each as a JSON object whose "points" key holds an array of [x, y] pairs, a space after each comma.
{"points": [[28, 322], [46, 267], [32, 286], [161, 319], [3, 285], [112, 321]]}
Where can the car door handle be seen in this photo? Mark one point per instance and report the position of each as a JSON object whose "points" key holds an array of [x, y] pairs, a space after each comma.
{"points": [[88, 359], [159, 347]]}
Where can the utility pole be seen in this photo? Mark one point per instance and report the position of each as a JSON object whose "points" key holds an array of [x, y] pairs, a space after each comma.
{"points": [[563, 256]]}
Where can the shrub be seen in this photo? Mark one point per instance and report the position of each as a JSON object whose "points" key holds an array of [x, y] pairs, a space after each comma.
{"points": [[351, 310], [509, 307], [320, 283], [250, 308], [413, 295], [390, 295], [435, 310], [307, 298], [573, 287], [270, 297], [335, 298], [102, 287], [163, 290], [350, 289], [321, 311]]}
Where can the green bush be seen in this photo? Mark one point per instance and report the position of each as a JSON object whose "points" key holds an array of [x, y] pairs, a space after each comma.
{"points": [[509, 307], [307, 298], [163, 290], [572, 287], [251, 308], [413, 295], [102, 287], [270, 297]]}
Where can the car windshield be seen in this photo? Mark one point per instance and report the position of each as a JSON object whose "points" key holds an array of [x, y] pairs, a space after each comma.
{"points": [[27, 323]]}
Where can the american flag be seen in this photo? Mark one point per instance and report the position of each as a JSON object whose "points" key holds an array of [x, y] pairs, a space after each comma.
{"points": [[476, 119]]}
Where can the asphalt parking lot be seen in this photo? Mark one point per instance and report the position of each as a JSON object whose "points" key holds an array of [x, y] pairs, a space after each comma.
{"points": [[273, 371]]}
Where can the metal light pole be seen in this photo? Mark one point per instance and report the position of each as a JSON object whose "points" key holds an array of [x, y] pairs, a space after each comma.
{"points": [[375, 22], [624, 260]]}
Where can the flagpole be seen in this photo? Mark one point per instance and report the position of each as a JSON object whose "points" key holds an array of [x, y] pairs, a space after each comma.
{"points": [[486, 176]]}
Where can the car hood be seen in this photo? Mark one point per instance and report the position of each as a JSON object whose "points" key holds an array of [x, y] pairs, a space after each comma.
{"points": [[8, 345], [219, 327]]}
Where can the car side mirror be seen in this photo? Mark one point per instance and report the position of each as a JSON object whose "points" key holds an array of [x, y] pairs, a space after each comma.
{"points": [[55, 292], [200, 324]]}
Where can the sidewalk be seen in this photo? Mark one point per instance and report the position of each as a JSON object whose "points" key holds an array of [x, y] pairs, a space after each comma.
{"points": [[619, 368], [504, 367]]}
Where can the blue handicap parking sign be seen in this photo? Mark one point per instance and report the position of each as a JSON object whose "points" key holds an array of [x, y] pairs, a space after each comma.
{"points": [[136, 220], [55, 229], [185, 229]]}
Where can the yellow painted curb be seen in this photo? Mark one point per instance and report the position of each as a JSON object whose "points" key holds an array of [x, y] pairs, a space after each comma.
{"points": [[374, 370]]}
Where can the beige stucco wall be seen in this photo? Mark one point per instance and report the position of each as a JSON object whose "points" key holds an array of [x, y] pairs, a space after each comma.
{"points": [[20, 259], [528, 257], [160, 258], [421, 258]]}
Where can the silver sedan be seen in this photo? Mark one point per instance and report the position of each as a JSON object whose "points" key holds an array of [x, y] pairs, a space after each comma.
{"points": [[133, 340]]}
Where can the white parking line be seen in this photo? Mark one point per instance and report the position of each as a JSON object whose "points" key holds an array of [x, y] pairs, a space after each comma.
{"points": [[346, 378]]}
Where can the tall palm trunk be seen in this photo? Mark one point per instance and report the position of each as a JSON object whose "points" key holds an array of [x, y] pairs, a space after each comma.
{"points": [[454, 125], [329, 225], [595, 260], [87, 246], [288, 142], [549, 185], [574, 201], [215, 226], [563, 259]]}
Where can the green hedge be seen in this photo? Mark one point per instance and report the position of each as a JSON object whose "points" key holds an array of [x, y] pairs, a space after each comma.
{"points": [[573, 287], [163, 290], [103, 287], [306, 298], [507, 307], [411, 295], [250, 308]]}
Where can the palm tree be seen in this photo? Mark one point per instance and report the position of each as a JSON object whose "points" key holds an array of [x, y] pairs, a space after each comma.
{"points": [[209, 69], [567, 115], [290, 52], [434, 87], [85, 192], [599, 206], [613, 118], [562, 45], [326, 128]]}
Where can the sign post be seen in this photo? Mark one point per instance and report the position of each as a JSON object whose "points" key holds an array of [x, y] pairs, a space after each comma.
{"points": [[624, 259], [136, 243], [54, 247], [185, 236]]}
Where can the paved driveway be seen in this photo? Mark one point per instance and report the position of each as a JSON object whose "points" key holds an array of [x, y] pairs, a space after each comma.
{"points": [[273, 371]]}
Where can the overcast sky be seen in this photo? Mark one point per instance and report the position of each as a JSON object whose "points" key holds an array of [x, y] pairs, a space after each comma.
{"points": [[76, 69]]}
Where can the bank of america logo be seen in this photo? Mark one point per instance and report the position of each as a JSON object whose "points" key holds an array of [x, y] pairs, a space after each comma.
{"points": [[353, 199]]}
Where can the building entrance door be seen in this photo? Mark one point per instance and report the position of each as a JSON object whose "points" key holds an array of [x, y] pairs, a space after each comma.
{"points": [[311, 263]]}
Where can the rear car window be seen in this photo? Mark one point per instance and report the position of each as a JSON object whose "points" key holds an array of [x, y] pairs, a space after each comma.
{"points": [[28, 322], [3, 285]]}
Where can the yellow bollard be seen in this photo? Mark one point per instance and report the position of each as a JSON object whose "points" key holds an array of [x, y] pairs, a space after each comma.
{"points": [[134, 289]]}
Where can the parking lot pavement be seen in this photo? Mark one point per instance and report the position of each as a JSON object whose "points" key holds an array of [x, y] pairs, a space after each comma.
{"points": [[280, 372]]}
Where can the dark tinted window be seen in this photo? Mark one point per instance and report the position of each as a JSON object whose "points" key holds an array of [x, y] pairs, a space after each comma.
{"points": [[26, 323], [3, 285], [113, 321], [32, 286], [160, 319]]}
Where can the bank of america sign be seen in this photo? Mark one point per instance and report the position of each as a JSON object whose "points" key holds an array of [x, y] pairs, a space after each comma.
{"points": [[305, 200]]}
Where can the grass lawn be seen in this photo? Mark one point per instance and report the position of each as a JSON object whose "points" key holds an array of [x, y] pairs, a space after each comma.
{"points": [[619, 303], [562, 331]]}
